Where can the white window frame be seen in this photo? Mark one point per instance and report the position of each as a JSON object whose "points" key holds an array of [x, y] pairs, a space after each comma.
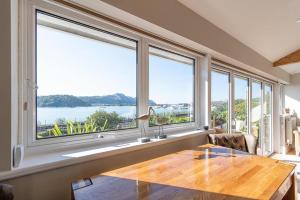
{"points": [[248, 79], [196, 96], [27, 69], [257, 81], [235, 73], [272, 115], [225, 72]]}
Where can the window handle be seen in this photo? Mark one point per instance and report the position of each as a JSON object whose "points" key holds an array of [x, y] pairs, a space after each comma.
{"points": [[32, 84]]}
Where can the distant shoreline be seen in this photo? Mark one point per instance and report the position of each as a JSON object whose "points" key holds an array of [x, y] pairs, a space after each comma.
{"points": [[80, 106], [58, 101]]}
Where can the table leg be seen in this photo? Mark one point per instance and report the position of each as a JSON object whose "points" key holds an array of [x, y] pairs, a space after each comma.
{"points": [[291, 193]]}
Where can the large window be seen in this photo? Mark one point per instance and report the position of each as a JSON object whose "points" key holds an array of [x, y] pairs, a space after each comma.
{"points": [[236, 109], [86, 79], [92, 79], [220, 99], [171, 87]]}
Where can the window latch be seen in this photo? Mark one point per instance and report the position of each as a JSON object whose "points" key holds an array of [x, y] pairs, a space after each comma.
{"points": [[32, 84], [25, 106]]}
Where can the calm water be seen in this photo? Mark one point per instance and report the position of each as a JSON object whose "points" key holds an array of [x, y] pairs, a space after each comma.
{"points": [[47, 115]]}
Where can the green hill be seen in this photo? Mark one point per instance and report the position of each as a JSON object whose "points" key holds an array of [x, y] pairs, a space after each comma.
{"points": [[60, 101], [117, 99]]}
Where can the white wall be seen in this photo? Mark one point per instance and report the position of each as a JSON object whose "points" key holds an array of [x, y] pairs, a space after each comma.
{"points": [[292, 95], [295, 79]]}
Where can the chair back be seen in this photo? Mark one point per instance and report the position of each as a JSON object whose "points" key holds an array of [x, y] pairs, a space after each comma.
{"points": [[237, 141], [251, 142]]}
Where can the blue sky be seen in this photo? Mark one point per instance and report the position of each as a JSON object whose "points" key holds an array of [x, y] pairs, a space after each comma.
{"points": [[256, 90], [170, 81], [68, 64], [240, 88], [73, 65], [220, 87]]}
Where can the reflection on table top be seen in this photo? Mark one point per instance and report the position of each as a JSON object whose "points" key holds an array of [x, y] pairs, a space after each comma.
{"points": [[206, 172]]}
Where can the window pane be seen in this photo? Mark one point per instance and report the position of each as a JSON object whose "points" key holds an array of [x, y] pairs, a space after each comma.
{"points": [[219, 99], [256, 111], [240, 115], [86, 79], [171, 87], [267, 120]]}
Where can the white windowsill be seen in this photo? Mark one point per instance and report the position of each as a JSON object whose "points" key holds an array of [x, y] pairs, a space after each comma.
{"points": [[37, 163]]}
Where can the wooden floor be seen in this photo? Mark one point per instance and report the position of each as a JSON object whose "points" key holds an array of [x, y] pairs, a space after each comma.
{"points": [[207, 172]]}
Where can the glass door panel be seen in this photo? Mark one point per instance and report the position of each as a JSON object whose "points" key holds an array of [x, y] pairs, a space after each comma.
{"points": [[240, 106], [237, 110], [219, 100], [256, 112], [267, 120]]}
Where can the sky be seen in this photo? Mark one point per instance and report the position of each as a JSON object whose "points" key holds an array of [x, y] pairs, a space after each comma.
{"points": [[68, 64], [220, 87], [75, 65], [170, 81], [256, 90]]}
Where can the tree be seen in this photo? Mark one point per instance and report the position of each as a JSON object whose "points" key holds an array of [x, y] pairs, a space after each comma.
{"points": [[220, 112], [240, 109], [104, 120]]}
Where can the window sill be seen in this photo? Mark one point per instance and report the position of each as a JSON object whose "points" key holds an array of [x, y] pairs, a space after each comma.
{"points": [[46, 161]]}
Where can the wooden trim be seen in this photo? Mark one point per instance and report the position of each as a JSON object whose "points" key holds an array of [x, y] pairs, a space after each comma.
{"points": [[291, 58]]}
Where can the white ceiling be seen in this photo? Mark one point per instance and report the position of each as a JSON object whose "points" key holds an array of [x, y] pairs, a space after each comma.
{"points": [[267, 26]]}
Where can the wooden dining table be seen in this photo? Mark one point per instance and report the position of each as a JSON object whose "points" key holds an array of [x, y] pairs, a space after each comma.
{"points": [[205, 172]]}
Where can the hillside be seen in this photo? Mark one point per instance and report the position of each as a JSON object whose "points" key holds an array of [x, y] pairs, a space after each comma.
{"points": [[117, 99], [60, 101]]}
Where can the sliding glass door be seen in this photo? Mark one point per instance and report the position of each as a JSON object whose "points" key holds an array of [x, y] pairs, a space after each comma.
{"points": [[240, 105], [267, 119], [261, 116], [256, 112], [220, 100]]}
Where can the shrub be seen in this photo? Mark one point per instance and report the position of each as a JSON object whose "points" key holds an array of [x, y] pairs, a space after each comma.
{"points": [[104, 120]]}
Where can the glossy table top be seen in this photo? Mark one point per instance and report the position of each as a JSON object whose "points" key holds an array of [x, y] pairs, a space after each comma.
{"points": [[206, 172]]}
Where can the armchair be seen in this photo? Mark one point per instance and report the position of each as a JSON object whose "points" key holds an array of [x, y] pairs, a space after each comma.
{"points": [[237, 141]]}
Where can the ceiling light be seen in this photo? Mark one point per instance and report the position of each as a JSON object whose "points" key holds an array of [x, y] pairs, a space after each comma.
{"points": [[298, 21]]}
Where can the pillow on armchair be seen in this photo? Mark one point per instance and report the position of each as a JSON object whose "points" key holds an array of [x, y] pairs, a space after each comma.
{"points": [[233, 141], [238, 141]]}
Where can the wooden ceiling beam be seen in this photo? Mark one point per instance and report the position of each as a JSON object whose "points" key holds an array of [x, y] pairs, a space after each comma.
{"points": [[291, 58]]}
